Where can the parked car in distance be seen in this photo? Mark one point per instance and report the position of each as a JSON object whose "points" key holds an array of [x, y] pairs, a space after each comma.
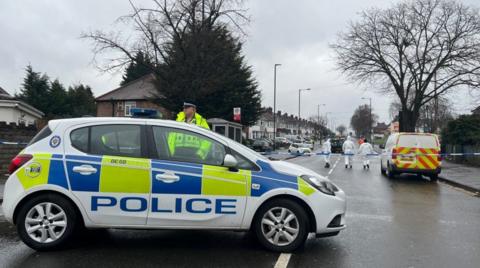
{"points": [[299, 148], [262, 145], [282, 142], [337, 144], [415, 153]]}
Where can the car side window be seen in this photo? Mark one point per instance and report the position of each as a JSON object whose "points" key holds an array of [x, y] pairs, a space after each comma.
{"points": [[79, 139], [115, 140], [118, 140], [186, 146]]}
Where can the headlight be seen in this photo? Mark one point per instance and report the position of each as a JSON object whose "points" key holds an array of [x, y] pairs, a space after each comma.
{"points": [[325, 187]]}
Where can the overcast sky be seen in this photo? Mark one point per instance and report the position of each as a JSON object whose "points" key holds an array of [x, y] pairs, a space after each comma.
{"points": [[45, 34]]}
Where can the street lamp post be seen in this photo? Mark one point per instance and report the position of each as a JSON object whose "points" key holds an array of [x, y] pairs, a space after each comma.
{"points": [[371, 119], [275, 103], [318, 120], [300, 91]]}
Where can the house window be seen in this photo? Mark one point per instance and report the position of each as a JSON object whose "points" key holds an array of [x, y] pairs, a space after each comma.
{"points": [[128, 106]]}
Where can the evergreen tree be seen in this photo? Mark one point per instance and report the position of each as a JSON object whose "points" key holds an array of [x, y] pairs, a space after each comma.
{"points": [[35, 90], [58, 99], [206, 67], [81, 101], [137, 68]]}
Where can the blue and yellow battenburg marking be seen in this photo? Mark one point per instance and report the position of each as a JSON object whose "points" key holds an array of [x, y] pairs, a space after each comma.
{"points": [[137, 175]]}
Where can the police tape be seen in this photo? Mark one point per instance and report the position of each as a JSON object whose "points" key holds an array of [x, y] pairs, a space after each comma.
{"points": [[13, 143], [370, 154]]}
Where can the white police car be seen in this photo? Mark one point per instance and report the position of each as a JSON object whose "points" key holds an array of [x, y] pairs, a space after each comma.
{"points": [[158, 174]]}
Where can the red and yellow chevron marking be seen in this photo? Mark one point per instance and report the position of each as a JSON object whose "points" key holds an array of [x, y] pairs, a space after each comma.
{"points": [[421, 158]]}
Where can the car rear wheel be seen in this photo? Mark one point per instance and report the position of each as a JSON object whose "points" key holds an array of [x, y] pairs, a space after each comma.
{"points": [[433, 177], [281, 225], [46, 222], [382, 170]]}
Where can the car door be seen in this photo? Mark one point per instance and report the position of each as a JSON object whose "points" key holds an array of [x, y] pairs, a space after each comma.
{"points": [[190, 187], [108, 173]]}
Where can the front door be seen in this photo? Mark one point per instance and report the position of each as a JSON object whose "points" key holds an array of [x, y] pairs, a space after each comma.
{"points": [[108, 174], [190, 187]]}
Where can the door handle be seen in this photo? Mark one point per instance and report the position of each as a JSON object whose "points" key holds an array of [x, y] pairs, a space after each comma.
{"points": [[85, 170], [167, 177]]}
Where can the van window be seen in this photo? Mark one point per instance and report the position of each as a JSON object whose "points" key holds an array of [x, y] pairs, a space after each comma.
{"points": [[421, 141]]}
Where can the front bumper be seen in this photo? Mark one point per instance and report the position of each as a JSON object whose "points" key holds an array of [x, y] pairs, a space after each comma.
{"points": [[329, 213]]}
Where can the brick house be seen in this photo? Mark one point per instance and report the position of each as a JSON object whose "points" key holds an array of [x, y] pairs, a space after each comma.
{"points": [[135, 94]]}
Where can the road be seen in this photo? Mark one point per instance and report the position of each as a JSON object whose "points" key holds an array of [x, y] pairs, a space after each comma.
{"points": [[401, 222]]}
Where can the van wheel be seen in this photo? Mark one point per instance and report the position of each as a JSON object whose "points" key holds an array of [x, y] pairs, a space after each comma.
{"points": [[389, 172], [433, 177], [281, 225], [382, 170], [46, 222]]}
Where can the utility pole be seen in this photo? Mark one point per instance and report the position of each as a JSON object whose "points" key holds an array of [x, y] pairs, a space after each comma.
{"points": [[300, 91], [318, 120], [275, 103]]}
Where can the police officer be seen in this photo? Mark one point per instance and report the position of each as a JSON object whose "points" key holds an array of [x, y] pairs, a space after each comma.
{"points": [[189, 115], [181, 143]]}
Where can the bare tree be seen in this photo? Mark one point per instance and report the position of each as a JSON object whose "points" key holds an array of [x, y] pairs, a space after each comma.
{"points": [[156, 28], [418, 50]]}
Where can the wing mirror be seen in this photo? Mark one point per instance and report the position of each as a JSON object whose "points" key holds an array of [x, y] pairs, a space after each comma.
{"points": [[382, 146], [230, 161]]}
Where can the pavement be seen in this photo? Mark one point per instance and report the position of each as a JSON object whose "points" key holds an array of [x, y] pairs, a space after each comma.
{"points": [[466, 177], [406, 221]]}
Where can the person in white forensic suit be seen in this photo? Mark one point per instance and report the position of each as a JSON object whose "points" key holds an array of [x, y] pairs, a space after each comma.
{"points": [[366, 149], [326, 151], [348, 148]]}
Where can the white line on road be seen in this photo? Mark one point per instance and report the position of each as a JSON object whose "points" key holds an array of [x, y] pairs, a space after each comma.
{"points": [[283, 260], [333, 167]]}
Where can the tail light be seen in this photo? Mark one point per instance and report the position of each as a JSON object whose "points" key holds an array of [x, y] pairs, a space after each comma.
{"points": [[394, 153], [18, 161]]}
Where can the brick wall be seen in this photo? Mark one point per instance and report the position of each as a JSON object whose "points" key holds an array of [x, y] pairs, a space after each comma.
{"points": [[15, 133], [7, 152], [104, 108]]}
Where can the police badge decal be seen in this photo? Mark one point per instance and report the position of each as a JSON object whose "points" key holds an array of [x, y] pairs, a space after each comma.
{"points": [[55, 141]]}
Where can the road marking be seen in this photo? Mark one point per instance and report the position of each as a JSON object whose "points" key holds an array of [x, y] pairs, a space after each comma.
{"points": [[283, 260], [334, 166]]}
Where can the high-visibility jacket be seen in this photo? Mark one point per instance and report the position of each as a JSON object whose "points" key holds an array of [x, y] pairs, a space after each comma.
{"points": [[181, 140]]}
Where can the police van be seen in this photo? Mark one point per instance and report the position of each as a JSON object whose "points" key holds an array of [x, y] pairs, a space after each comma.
{"points": [[159, 174]]}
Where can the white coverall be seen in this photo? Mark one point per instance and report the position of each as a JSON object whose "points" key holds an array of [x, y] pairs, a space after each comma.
{"points": [[365, 149], [348, 150], [327, 150]]}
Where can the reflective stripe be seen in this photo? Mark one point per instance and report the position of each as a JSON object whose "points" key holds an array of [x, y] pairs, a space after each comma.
{"points": [[36, 172], [304, 187], [125, 175], [230, 184]]}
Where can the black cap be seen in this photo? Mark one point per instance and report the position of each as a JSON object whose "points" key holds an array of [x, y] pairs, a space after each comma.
{"points": [[189, 104]]}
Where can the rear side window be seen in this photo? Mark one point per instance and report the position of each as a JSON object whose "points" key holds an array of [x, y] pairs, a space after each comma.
{"points": [[115, 140], [418, 141], [45, 132]]}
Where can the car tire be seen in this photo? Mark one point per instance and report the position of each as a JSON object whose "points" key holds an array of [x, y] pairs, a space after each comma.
{"points": [[276, 237], [433, 177], [51, 231]]}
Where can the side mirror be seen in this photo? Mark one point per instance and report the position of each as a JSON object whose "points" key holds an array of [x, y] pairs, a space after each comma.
{"points": [[230, 161], [382, 146]]}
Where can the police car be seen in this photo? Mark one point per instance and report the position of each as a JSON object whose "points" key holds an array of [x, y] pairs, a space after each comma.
{"points": [[159, 174]]}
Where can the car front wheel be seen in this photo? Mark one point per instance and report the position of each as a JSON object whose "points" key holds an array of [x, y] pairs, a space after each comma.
{"points": [[281, 225], [46, 222]]}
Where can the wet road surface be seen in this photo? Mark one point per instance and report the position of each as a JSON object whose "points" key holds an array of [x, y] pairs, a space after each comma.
{"points": [[401, 222]]}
